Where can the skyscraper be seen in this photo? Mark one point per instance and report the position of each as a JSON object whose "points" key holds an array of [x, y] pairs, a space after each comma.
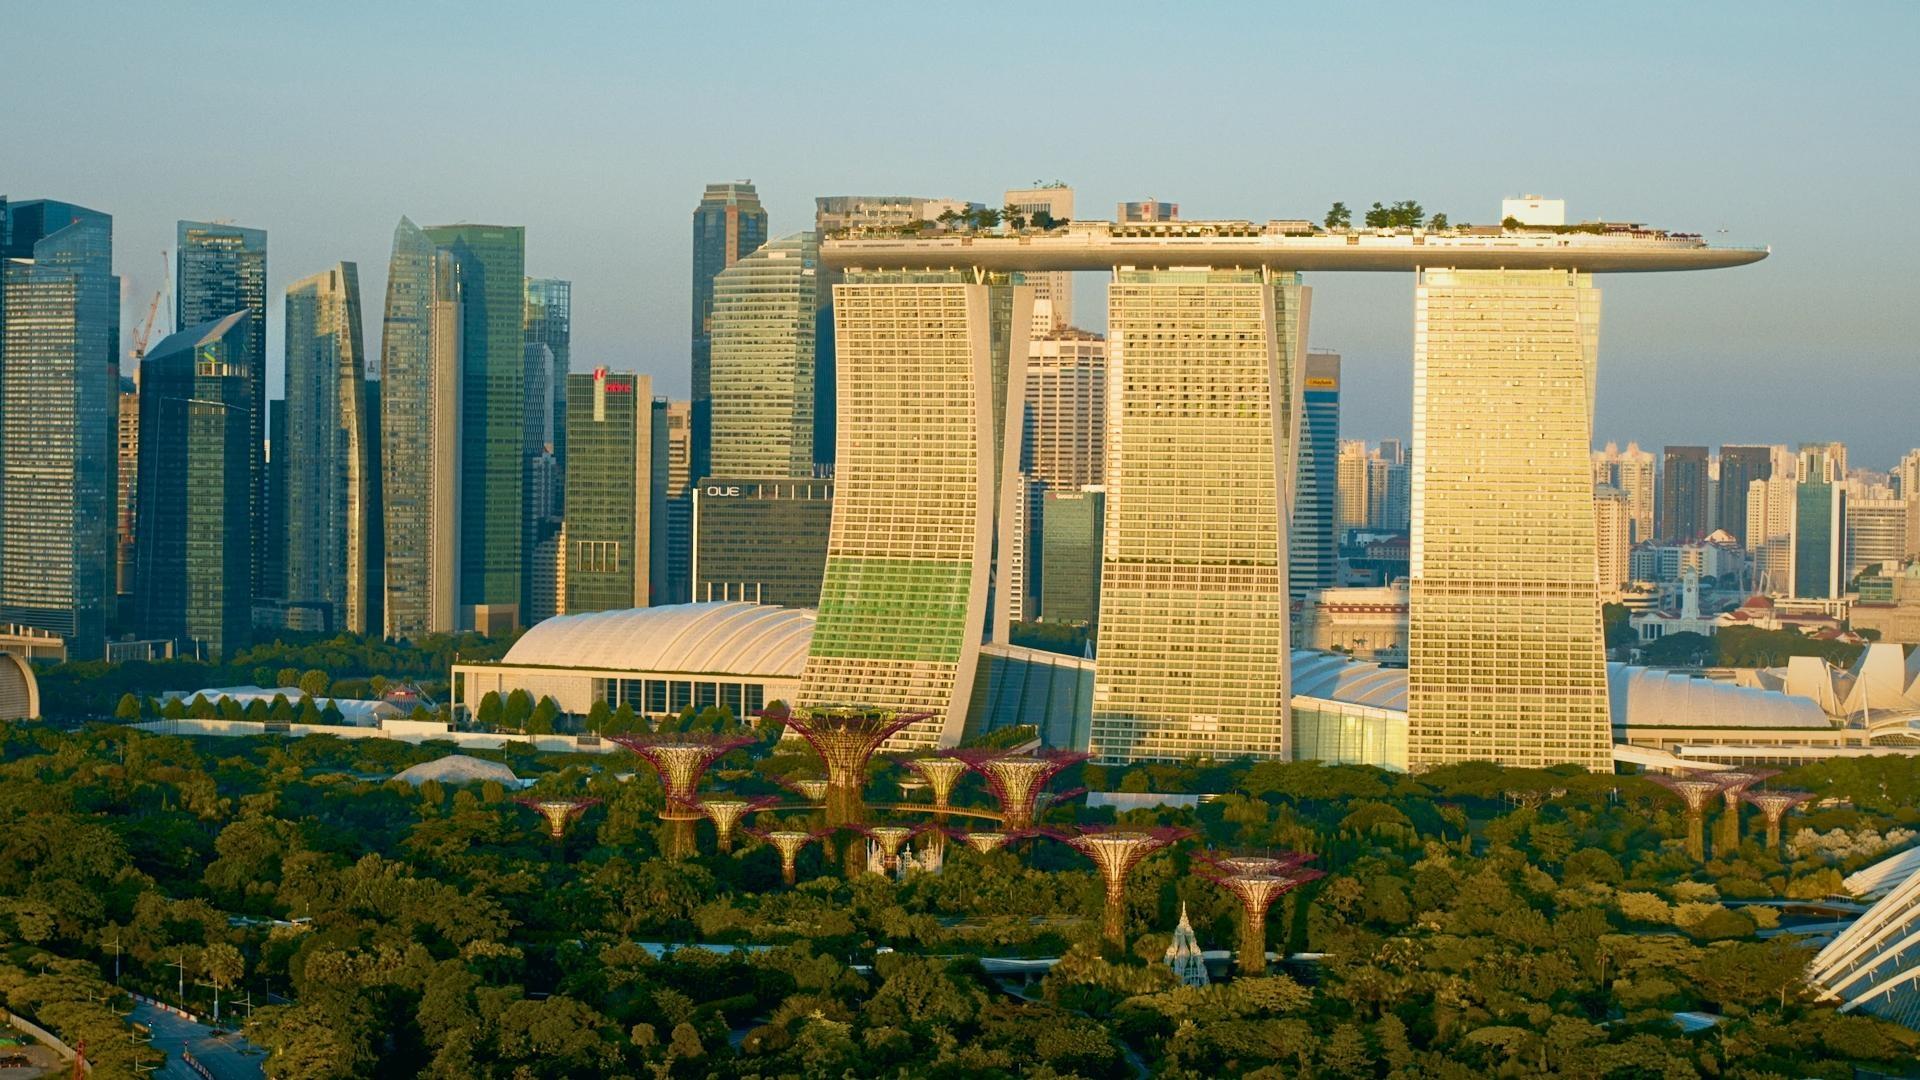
{"points": [[549, 321], [127, 483], [1069, 556], [1876, 533], [407, 464], [1064, 430], [675, 559], [1194, 611], [765, 310], [194, 540], [330, 456], [1505, 653], [1353, 477], [763, 541], [489, 261], [1770, 511], [1631, 470], [610, 470], [1046, 205], [1819, 548], [1315, 560], [59, 410], [927, 359], [1740, 466], [1612, 517], [1683, 494], [221, 269], [728, 225]]}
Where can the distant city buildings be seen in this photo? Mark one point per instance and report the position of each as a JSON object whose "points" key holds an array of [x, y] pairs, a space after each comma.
{"points": [[1684, 494], [1740, 466], [1052, 289], [1147, 210], [1631, 471], [1613, 539]]}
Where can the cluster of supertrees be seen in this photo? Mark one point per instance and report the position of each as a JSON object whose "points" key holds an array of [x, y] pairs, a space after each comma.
{"points": [[1698, 789], [846, 740]]}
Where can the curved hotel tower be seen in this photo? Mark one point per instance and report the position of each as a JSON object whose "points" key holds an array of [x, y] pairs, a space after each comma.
{"points": [[1208, 324]]}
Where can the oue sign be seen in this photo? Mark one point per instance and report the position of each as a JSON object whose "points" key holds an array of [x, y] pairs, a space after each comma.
{"points": [[717, 491]]}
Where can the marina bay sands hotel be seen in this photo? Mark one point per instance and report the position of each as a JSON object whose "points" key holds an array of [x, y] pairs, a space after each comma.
{"points": [[1207, 338]]}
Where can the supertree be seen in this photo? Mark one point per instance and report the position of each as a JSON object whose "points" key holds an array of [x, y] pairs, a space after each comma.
{"points": [[889, 838], [1733, 785], [788, 843], [681, 758], [1257, 890], [812, 789], [1697, 792], [1017, 780], [1255, 864], [942, 774], [987, 840], [1775, 804], [1116, 851], [846, 737], [727, 812], [558, 813]]}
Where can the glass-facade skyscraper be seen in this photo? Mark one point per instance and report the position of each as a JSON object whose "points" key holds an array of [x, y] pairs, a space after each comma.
{"points": [[610, 501], [765, 315], [728, 225], [221, 269], [490, 262], [194, 541], [1315, 561], [1684, 494], [331, 458], [406, 431], [59, 411]]}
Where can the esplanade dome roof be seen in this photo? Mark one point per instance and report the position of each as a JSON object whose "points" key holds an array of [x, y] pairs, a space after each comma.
{"points": [[727, 638]]}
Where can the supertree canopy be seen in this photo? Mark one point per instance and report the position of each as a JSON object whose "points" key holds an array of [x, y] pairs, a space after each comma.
{"points": [[942, 774], [789, 842], [1697, 791], [681, 758], [812, 789], [1116, 851], [1775, 804], [889, 838], [1017, 780], [1257, 889], [726, 812], [846, 738], [986, 840], [558, 813], [1735, 784]]}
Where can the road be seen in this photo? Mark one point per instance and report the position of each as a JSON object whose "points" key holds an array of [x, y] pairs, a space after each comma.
{"points": [[228, 1057]]}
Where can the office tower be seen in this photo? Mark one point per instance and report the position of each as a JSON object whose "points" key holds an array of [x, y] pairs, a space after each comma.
{"points": [[1070, 556], [763, 541], [273, 561], [1352, 494], [1147, 210], [1315, 559], [1194, 610], [609, 491], [1505, 653], [927, 359], [489, 262], [330, 456], [1683, 494], [195, 543], [1819, 544], [1064, 430], [407, 432], [221, 269], [852, 213], [539, 507], [1613, 533], [728, 225], [1047, 206], [548, 319], [1876, 533], [59, 422], [676, 503], [1740, 466], [765, 316], [1769, 528], [128, 447]]}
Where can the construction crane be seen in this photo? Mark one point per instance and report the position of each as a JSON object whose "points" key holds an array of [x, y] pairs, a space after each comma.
{"points": [[145, 333]]}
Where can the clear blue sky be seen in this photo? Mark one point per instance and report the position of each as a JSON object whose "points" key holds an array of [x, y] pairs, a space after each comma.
{"points": [[595, 125]]}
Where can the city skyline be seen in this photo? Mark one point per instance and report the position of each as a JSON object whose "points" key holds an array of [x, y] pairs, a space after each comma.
{"points": [[1747, 344]]}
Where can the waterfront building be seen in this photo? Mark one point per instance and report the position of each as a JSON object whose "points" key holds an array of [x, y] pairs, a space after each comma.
{"points": [[728, 225], [765, 318], [610, 506], [59, 422], [330, 457], [1368, 622], [220, 269], [762, 541], [194, 541], [1505, 654], [1684, 498]]}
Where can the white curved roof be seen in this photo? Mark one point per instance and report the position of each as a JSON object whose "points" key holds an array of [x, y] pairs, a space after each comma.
{"points": [[458, 769], [1647, 697], [729, 637], [1874, 965], [1884, 876], [1336, 677]]}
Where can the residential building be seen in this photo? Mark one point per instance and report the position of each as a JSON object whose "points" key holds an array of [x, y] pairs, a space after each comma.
{"points": [[1194, 611], [330, 456], [1352, 484], [610, 503], [59, 422], [1740, 466], [1314, 562], [1613, 535], [489, 262], [761, 540], [1770, 515], [194, 540], [1505, 655], [1147, 210], [1683, 494], [1052, 289], [728, 225], [1069, 556], [1632, 471], [1818, 555], [221, 269], [765, 317]]}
